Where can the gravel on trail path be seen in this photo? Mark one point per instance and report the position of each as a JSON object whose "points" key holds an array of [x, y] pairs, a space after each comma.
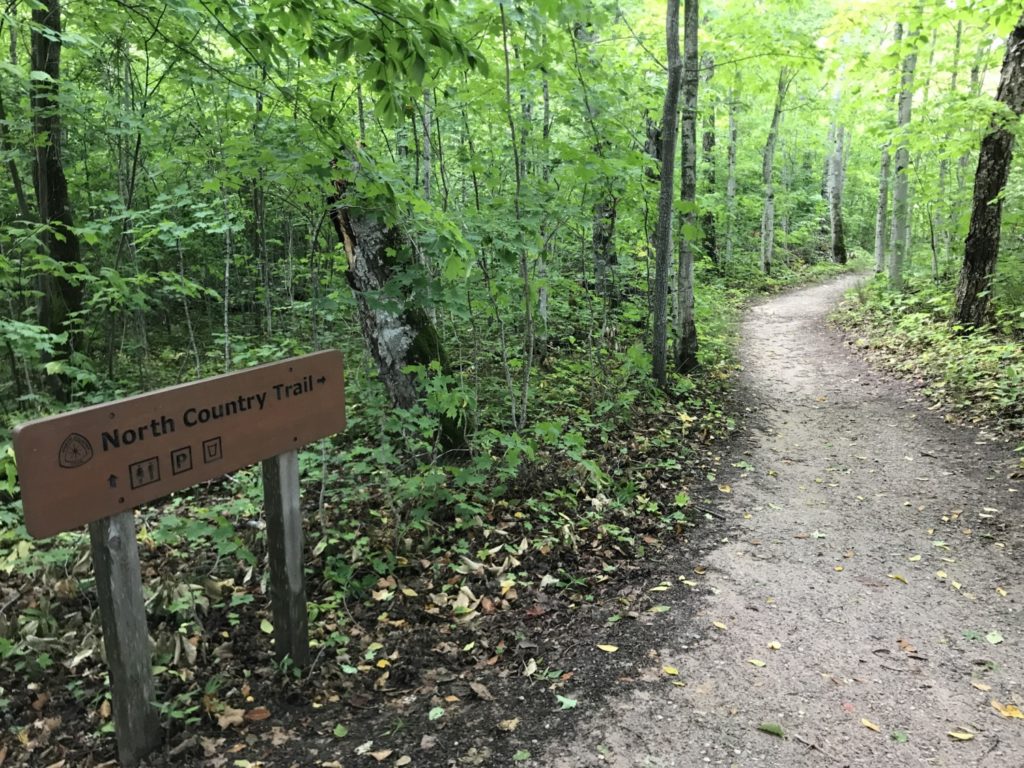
{"points": [[863, 599]]}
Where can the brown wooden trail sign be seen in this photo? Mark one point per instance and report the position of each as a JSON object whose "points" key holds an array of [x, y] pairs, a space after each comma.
{"points": [[96, 464], [92, 463]]}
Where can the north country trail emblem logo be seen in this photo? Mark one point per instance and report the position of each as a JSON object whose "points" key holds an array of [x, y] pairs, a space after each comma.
{"points": [[75, 451]]}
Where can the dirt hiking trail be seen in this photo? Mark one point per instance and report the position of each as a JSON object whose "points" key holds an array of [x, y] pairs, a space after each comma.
{"points": [[864, 595]]}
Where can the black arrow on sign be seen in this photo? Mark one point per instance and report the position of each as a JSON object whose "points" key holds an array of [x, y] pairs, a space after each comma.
{"points": [[112, 481]]}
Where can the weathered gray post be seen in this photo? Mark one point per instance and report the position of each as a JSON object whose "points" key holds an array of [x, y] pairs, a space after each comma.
{"points": [[284, 542], [115, 557]]}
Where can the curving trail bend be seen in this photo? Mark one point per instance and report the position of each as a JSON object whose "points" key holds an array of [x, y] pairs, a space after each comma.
{"points": [[880, 547]]}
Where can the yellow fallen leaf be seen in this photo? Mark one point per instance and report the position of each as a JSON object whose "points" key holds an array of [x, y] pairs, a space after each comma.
{"points": [[756, 662], [725, 489], [403, 760], [914, 558], [670, 671], [897, 577], [409, 592], [839, 567], [775, 645], [961, 735], [1000, 591], [719, 625], [608, 648], [679, 683], [1008, 710], [940, 574], [982, 686], [868, 724], [660, 588], [956, 584]]}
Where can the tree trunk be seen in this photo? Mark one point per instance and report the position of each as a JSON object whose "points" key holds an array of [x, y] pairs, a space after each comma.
{"points": [[768, 216], [663, 234], [686, 329], [901, 186], [708, 147], [427, 148], [59, 297], [397, 332], [730, 184], [948, 221], [982, 246], [835, 198], [883, 210]]}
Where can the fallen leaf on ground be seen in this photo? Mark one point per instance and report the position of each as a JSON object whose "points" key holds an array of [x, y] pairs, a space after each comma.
{"points": [[481, 690], [773, 728], [961, 735], [670, 671], [868, 724], [775, 645], [914, 558], [1008, 710], [257, 713], [230, 716], [897, 577], [719, 625], [994, 637], [982, 686], [508, 725], [608, 648], [403, 760], [381, 755], [658, 609], [756, 662], [725, 489], [1000, 591]]}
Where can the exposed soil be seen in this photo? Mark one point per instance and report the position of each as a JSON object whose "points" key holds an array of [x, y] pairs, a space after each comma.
{"points": [[879, 546]]}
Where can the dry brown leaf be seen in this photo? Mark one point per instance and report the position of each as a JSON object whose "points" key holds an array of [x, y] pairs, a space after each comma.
{"points": [[508, 725], [230, 716], [403, 760], [982, 686], [381, 755], [257, 713], [868, 724], [481, 690]]}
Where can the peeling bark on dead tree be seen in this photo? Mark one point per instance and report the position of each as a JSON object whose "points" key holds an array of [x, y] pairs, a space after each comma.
{"points": [[982, 246], [397, 332]]}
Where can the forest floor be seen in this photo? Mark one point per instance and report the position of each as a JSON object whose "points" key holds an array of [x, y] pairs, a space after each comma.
{"points": [[848, 591], [862, 600]]}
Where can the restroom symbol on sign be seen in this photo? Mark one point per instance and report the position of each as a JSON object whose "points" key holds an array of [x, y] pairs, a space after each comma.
{"points": [[212, 450]]}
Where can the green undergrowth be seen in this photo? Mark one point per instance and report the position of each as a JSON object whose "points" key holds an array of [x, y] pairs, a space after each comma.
{"points": [[979, 376]]}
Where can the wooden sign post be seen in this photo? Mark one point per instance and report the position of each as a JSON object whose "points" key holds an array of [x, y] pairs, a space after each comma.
{"points": [[93, 466]]}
